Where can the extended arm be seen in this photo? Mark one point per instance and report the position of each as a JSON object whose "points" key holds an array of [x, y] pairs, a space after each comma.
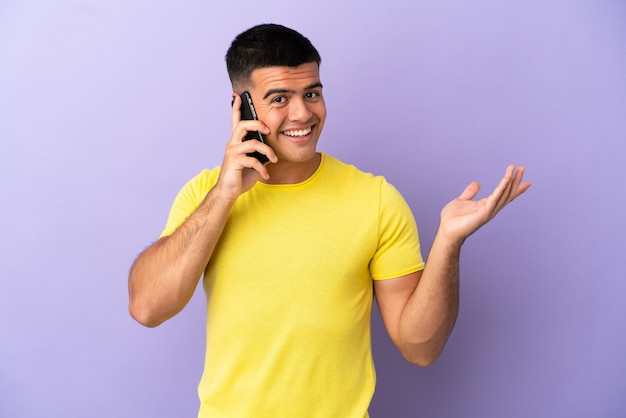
{"points": [[419, 310], [164, 277]]}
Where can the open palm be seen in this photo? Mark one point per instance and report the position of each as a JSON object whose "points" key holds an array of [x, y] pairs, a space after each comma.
{"points": [[463, 216]]}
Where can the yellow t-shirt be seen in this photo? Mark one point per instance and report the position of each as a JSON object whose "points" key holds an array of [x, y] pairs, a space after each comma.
{"points": [[289, 292]]}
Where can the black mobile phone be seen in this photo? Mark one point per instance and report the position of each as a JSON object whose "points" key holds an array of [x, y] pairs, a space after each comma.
{"points": [[248, 113]]}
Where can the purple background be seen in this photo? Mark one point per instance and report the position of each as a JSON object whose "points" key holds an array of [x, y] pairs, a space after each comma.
{"points": [[107, 108]]}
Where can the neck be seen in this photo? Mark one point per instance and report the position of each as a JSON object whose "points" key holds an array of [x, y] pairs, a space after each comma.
{"points": [[288, 172]]}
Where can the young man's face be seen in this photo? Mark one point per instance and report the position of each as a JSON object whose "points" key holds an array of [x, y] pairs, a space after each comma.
{"points": [[289, 101]]}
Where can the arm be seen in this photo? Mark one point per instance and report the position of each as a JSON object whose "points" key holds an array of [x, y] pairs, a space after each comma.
{"points": [[419, 310], [164, 277]]}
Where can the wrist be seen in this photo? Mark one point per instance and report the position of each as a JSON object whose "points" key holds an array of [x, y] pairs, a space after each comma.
{"points": [[218, 197], [446, 240]]}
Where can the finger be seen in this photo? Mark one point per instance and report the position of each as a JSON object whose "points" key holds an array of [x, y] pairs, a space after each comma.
{"points": [[524, 187], [236, 115], [515, 184], [269, 153], [257, 166], [470, 191], [518, 187], [506, 186], [242, 149], [262, 148], [243, 127]]}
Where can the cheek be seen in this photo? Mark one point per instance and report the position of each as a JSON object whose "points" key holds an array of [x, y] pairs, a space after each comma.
{"points": [[321, 114], [273, 120], [321, 109]]}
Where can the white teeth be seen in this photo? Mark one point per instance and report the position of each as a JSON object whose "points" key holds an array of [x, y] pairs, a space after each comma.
{"points": [[300, 132]]}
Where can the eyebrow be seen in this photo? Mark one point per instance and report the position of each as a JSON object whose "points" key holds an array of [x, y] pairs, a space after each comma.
{"points": [[315, 85]]}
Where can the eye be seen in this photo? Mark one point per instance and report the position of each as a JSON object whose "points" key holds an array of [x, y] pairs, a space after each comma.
{"points": [[279, 99], [312, 95]]}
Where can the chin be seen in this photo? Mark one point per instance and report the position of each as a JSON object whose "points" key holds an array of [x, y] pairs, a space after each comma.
{"points": [[302, 155], [296, 154]]}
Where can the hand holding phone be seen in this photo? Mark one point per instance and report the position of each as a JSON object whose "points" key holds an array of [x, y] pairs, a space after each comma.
{"points": [[248, 113]]}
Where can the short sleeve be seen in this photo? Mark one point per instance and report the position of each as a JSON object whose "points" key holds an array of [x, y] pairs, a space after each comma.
{"points": [[398, 251], [189, 198]]}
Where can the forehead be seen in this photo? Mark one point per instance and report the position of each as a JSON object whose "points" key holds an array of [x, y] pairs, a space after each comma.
{"points": [[263, 79]]}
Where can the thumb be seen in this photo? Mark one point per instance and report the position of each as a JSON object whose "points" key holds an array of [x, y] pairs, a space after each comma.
{"points": [[470, 191]]}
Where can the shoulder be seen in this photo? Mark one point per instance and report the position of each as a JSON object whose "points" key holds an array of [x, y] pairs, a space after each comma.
{"points": [[203, 181], [196, 189], [351, 175], [207, 175], [336, 167], [189, 198]]}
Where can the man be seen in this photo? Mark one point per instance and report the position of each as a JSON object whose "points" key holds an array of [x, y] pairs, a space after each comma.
{"points": [[294, 251]]}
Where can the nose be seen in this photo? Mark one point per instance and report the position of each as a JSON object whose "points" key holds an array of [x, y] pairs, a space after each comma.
{"points": [[299, 110]]}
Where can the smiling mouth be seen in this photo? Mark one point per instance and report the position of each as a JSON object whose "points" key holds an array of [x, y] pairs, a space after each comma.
{"points": [[296, 133]]}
